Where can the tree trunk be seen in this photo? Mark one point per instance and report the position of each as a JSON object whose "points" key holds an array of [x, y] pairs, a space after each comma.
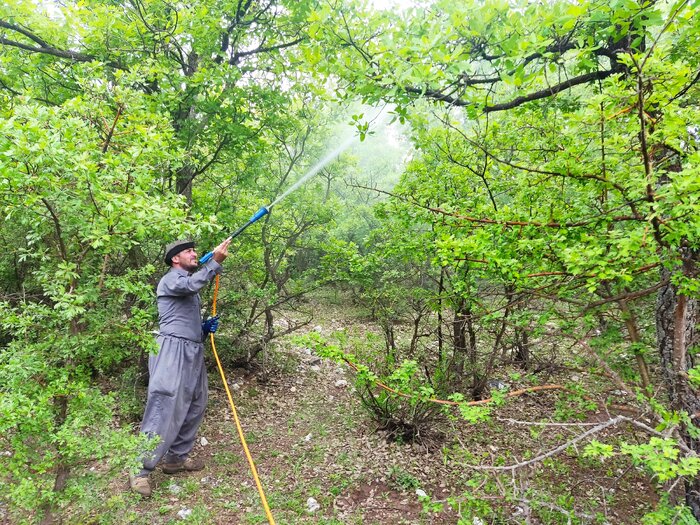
{"points": [[522, 349], [676, 328], [389, 337], [459, 343], [464, 344], [185, 176], [441, 289], [413, 347], [635, 339], [62, 470]]}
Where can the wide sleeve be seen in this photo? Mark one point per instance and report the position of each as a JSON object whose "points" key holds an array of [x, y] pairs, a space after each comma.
{"points": [[178, 283]]}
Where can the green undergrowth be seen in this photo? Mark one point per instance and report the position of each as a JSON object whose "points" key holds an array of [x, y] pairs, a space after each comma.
{"points": [[312, 436]]}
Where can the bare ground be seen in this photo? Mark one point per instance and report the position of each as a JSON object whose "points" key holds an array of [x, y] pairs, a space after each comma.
{"points": [[310, 438]]}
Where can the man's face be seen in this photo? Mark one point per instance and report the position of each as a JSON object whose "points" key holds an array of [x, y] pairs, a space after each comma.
{"points": [[186, 259]]}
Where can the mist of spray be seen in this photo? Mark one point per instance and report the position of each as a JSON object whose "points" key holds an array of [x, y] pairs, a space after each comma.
{"points": [[380, 117]]}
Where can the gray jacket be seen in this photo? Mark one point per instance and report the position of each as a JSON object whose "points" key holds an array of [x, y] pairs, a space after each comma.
{"points": [[179, 306]]}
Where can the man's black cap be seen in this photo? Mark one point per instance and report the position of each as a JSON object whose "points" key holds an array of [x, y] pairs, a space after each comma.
{"points": [[172, 249]]}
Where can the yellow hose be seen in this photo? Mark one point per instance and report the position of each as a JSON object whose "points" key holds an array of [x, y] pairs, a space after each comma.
{"points": [[270, 519]]}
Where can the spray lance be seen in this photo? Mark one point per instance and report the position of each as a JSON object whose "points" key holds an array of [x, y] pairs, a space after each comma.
{"points": [[212, 323], [256, 217]]}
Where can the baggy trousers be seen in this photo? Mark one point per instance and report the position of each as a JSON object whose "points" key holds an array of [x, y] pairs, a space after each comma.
{"points": [[177, 396]]}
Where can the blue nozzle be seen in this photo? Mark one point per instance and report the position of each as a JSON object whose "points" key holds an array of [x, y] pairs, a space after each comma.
{"points": [[259, 214], [206, 257]]}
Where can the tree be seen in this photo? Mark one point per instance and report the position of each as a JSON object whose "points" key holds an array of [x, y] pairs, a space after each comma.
{"points": [[215, 69], [576, 123], [115, 116], [77, 202]]}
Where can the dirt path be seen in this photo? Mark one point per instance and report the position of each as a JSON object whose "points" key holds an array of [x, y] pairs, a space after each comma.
{"points": [[309, 439]]}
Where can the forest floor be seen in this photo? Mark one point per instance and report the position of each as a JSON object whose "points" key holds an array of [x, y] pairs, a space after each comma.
{"points": [[310, 438]]}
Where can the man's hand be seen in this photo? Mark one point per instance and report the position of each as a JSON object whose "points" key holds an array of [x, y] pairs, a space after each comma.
{"points": [[221, 251], [210, 326]]}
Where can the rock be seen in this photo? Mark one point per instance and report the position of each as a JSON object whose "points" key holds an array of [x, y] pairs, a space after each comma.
{"points": [[307, 437], [477, 521], [318, 328], [174, 488], [315, 368], [496, 384], [314, 361], [312, 505], [183, 514], [293, 389], [421, 493], [236, 386], [203, 441], [341, 383]]}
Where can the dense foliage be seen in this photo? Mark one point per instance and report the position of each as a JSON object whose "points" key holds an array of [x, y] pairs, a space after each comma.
{"points": [[548, 217], [554, 195]]}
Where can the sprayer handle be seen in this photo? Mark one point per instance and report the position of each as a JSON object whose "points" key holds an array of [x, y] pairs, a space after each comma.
{"points": [[206, 257]]}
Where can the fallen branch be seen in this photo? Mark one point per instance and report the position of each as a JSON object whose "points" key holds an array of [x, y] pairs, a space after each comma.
{"points": [[557, 450], [596, 429]]}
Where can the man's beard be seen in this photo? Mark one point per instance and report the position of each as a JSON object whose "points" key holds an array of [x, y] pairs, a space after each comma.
{"points": [[189, 266]]}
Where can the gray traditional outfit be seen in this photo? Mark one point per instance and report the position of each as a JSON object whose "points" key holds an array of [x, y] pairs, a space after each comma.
{"points": [[177, 389]]}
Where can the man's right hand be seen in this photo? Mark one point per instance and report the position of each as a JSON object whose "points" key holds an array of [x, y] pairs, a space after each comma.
{"points": [[221, 251]]}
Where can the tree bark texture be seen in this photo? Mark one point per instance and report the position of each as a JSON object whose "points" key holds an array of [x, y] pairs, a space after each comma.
{"points": [[677, 332]]}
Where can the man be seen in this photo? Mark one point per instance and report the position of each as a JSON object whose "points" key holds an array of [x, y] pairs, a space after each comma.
{"points": [[177, 389]]}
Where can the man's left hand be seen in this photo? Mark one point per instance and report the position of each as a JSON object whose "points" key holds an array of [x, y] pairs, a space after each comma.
{"points": [[221, 251], [210, 325]]}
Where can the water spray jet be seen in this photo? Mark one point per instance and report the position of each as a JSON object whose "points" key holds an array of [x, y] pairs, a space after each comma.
{"points": [[264, 210]]}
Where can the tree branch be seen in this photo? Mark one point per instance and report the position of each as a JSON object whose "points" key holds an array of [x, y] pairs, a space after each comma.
{"points": [[110, 134], [486, 220], [57, 226], [47, 49], [598, 428], [25, 32], [686, 88], [531, 169], [518, 101], [631, 295], [237, 56], [561, 448]]}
